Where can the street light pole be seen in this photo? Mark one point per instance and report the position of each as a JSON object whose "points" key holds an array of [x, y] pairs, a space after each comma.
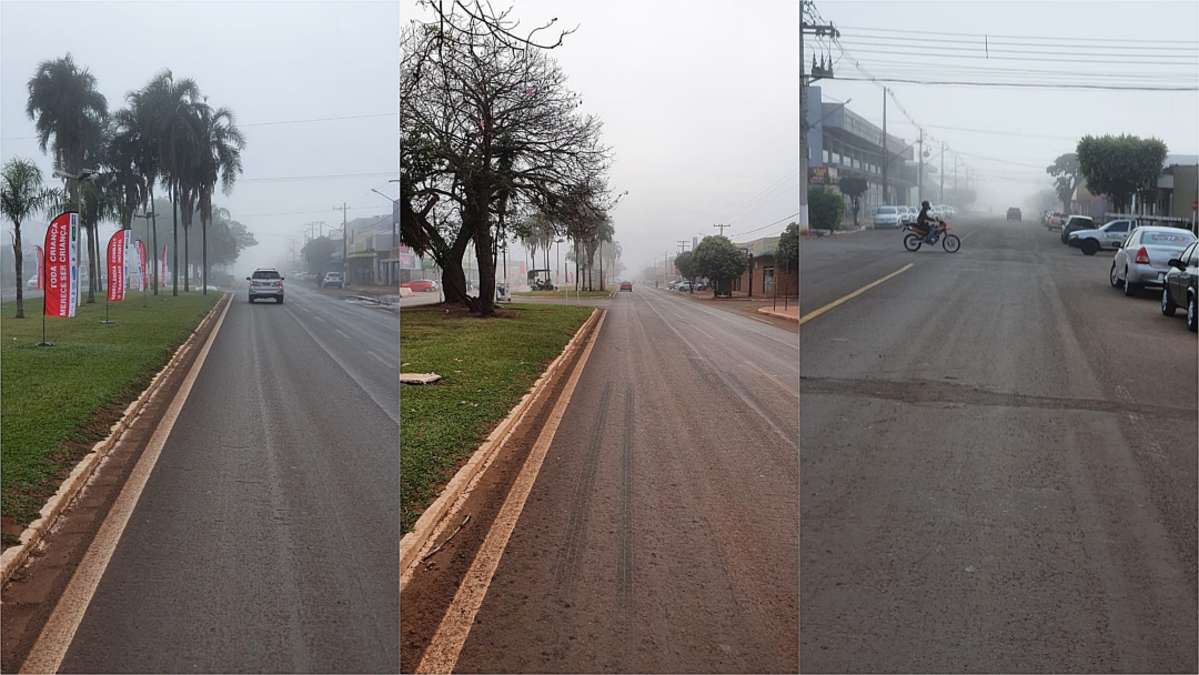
{"points": [[345, 251]]}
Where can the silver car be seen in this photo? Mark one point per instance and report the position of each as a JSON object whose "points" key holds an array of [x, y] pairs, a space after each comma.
{"points": [[886, 216], [1110, 236], [266, 282], [1144, 259]]}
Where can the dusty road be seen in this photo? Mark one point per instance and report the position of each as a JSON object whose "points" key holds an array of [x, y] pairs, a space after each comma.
{"points": [[999, 462], [266, 539], [661, 534]]}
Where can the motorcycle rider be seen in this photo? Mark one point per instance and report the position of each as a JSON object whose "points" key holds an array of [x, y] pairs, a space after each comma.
{"points": [[927, 221]]}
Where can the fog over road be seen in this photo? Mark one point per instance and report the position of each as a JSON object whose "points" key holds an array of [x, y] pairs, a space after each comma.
{"points": [[266, 539], [998, 462]]}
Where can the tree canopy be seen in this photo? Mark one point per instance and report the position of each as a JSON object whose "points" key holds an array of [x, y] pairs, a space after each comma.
{"points": [[1065, 171], [721, 261], [1120, 166]]}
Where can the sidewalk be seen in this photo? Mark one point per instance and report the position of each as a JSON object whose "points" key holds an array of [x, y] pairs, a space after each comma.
{"points": [[754, 307], [388, 296], [791, 312]]}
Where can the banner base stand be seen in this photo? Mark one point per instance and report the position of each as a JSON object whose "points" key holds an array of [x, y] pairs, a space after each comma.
{"points": [[44, 344], [106, 322]]}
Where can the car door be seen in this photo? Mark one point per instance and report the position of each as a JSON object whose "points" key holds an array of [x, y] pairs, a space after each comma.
{"points": [[1114, 233], [1176, 279]]}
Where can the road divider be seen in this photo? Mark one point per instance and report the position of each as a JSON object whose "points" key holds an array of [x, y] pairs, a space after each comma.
{"points": [[850, 296]]}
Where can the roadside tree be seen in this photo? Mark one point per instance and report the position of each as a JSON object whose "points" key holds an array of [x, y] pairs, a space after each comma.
{"points": [[824, 209], [21, 195], [853, 187], [685, 263], [1065, 172], [721, 261], [492, 131], [1120, 166]]}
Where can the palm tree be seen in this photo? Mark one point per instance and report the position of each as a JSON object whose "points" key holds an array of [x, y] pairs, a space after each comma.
{"points": [[125, 182], [21, 194], [169, 118], [219, 157], [135, 130], [65, 106]]}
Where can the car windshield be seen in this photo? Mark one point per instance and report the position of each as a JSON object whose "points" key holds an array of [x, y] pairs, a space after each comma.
{"points": [[1179, 238], [266, 274]]}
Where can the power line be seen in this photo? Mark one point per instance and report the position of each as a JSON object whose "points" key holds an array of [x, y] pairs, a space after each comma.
{"points": [[322, 177], [757, 229], [889, 62], [1107, 48], [1019, 58], [1026, 85], [988, 48], [1023, 37]]}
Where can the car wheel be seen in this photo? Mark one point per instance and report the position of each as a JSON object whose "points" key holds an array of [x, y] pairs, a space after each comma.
{"points": [[1192, 313], [1063, 235], [280, 299], [1129, 287], [1112, 278], [1089, 246], [1168, 305]]}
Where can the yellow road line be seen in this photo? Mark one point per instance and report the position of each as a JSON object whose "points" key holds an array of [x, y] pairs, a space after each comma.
{"points": [[815, 313]]}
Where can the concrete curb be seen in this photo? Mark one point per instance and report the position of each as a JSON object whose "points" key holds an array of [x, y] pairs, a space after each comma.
{"points": [[771, 312], [14, 556], [432, 522]]}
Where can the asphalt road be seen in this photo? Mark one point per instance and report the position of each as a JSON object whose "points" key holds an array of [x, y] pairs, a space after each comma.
{"points": [[999, 462], [267, 537], [661, 533]]}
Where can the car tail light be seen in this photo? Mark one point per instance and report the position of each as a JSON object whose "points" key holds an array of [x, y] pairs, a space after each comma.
{"points": [[1142, 256]]}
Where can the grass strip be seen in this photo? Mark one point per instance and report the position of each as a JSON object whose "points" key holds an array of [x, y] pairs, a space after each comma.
{"points": [[486, 366], [56, 402]]}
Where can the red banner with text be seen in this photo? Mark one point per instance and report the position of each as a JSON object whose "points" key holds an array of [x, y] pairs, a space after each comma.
{"points": [[62, 265]]}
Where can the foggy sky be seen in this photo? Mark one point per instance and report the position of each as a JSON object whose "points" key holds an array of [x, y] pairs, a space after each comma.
{"points": [[1026, 115], [700, 104], [268, 62]]}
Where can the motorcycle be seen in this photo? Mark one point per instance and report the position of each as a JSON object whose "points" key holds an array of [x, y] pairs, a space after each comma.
{"points": [[917, 236]]}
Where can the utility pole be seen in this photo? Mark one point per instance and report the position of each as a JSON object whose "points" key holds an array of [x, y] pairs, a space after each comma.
{"points": [[941, 197], [721, 228], [886, 160], [920, 170], [345, 250], [817, 73]]}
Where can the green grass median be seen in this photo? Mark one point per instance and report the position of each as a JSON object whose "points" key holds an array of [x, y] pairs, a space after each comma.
{"points": [[56, 402], [486, 366], [568, 293]]}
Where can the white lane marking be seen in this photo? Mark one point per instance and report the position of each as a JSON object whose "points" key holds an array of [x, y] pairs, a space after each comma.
{"points": [[392, 412], [791, 391], [58, 633], [442, 653], [342, 333], [382, 360]]}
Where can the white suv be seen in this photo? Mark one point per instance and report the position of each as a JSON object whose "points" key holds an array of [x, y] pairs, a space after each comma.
{"points": [[266, 282]]}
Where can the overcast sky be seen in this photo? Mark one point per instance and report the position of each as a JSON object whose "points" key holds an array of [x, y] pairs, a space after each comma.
{"points": [[1025, 128], [267, 61], [700, 104]]}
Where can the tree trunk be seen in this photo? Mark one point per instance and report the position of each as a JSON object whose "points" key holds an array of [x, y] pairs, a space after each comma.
{"points": [[204, 252], [174, 242], [91, 263], [18, 266], [485, 304], [601, 256], [154, 231]]}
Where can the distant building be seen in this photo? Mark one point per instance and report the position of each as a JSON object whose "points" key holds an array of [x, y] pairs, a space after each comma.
{"points": [[762, 277], [842, 142]]}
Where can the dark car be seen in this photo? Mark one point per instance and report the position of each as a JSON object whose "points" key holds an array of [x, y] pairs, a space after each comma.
{"points": [[626, 286], [1014, 214], [1074, 224], [1179, 288]]}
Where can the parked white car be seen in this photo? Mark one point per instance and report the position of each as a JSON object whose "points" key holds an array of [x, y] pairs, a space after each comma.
{"points": [[1144, 259], [1110, 236], [887, 216]]}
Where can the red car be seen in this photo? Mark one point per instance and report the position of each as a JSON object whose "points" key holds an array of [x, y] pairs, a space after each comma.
{"points": [[626, 286], [420, 285]]}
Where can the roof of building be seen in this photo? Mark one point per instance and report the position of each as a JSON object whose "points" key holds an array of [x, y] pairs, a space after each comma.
{"points": [[760, 247]]}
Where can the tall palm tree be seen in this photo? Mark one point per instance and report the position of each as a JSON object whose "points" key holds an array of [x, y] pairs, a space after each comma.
{"points": [[135, 128], [170, 111], [127, 185], [69, 115], [219, 158], [21, 195]]}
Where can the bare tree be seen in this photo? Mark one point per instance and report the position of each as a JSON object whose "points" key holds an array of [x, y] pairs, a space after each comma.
{"points": [[489, 127]]}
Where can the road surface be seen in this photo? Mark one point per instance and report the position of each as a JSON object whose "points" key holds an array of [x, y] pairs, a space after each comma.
{"points": [[661, 534], [267, 537], [999, 461]]}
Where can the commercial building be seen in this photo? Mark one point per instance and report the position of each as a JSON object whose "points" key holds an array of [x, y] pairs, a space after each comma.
{"points": [[843, 143], [763, 277]]}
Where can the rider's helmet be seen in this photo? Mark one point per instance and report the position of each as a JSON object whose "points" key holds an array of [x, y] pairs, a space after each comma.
{"points": [[925, 204]]}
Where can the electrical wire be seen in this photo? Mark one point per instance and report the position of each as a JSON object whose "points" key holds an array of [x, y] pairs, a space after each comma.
{"points": [[987, 48], [982, 57], [1026, 37], [986, 42], [758, 229], [1022, 85], [321, 177]]}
